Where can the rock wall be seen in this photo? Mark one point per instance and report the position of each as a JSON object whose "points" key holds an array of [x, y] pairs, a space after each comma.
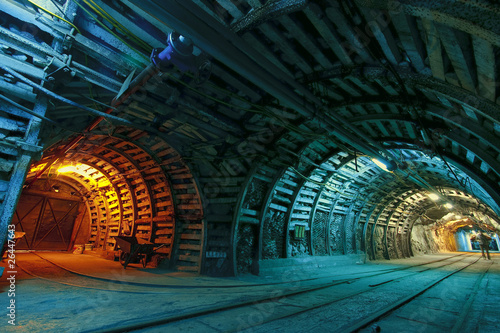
{"points": [[425, 240]]}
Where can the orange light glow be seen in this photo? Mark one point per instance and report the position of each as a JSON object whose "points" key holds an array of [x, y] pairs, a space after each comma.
{"points": [[68, 168], [38, 167], [90, 173]]}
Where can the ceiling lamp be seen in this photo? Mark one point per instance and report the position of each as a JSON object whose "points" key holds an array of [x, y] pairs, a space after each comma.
{"points": [[68, 168], [384, 165], [433, 196]]}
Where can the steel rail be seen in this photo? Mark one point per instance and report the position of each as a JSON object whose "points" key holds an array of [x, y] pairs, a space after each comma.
{"points": [[212, 310]]}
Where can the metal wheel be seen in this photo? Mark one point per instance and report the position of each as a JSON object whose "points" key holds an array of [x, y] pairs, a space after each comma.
{"points": [[123, 257]]}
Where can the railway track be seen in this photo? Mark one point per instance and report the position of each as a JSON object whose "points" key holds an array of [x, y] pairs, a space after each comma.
{"points": [[393, 315], [281, 303], [255, 306], [50, 271]]}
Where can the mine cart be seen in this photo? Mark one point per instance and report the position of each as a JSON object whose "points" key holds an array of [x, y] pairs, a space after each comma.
{"points": [[134, 249]]}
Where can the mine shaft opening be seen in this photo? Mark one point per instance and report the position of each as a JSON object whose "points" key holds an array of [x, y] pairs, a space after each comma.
{"points": [[109, 197]]}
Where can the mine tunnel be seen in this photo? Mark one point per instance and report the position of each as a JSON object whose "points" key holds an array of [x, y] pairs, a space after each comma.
{"points": [[249, 165]]}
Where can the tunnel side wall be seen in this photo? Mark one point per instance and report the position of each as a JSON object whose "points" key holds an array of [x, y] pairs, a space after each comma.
{"points": [[425, 240]]}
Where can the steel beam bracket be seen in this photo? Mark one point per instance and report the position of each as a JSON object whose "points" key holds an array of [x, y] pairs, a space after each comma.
{"points": [[59, 71], [68, 40]]}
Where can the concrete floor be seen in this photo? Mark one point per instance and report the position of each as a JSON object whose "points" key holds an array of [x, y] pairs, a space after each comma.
{"points": [[92, 294]]}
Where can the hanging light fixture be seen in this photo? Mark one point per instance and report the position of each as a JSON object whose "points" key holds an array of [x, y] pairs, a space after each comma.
{"points": [[433, 196], [384, 165]]}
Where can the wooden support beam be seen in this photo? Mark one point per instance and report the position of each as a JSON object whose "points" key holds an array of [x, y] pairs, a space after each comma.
{"points": [[354, 43], [459, 52], [282, 43], [487, 68], [434, 49], [409, 36], [378, 22], [305, 40], [328, 32]]}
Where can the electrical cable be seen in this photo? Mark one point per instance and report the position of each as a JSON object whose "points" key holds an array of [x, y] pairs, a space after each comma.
{"points": [[55, 15], [60, 9], [117, 25], [109, 30]]}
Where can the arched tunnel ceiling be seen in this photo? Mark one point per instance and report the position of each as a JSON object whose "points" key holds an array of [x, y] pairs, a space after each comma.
{"points": [[286, 100]]}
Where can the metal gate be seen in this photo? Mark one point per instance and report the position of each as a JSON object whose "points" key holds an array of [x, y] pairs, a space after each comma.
{"points": [[48, 222]]}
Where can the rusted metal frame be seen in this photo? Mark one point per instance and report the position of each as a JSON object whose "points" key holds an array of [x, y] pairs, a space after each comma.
{"points": [[76, 230], [409, 238], [346, 221], [355, 221], [288, 214], [372, 233], [81, 199], [236, 218], [365, 227], [398, 195], [402, 238], [16, 214], [395, 235], [329, 220], [263, 211], [38, 222], [21, 219], [312, 216], [386, 247], [364, 246], [202, 218], [56, 221]]}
